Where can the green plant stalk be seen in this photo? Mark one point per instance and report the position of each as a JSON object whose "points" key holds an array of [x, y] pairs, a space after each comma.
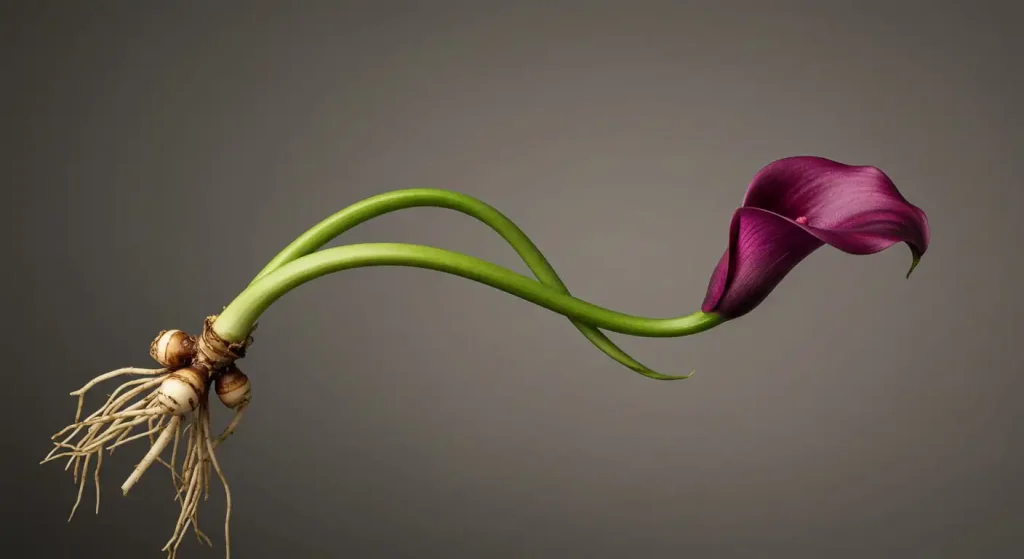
{"points": [[348, 218], [237, 320]]}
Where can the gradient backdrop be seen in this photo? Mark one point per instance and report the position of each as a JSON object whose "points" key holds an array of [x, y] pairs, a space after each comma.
{"points": [[159, 154]]}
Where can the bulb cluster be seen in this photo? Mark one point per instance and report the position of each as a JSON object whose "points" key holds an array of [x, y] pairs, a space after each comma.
{"points": [[182, 390]]}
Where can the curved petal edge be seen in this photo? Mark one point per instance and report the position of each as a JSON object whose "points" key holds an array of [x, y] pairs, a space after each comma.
{"points": [[794, 206]]}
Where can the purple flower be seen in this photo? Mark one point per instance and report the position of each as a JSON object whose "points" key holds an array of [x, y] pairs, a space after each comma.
{"points": [[794, 206]]}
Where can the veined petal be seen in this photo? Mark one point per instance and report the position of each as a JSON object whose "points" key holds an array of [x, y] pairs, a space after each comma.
{"points": [[794, 206], [763, 248], [829, 195]]}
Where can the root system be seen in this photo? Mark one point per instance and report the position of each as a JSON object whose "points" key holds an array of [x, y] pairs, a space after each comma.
{"points": [[168, 406]]}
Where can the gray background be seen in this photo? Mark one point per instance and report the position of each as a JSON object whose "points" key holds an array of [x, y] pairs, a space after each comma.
{"points": [[157, 157]]}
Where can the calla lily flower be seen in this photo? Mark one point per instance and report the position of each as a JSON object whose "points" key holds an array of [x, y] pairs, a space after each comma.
{"points": [[794, 206]]}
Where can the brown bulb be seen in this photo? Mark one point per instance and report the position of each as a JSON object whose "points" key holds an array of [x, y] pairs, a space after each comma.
{"points": [[173, 348], [233, 387]]}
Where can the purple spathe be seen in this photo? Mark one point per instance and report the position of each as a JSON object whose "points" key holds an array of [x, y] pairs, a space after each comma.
{"points": [[795, 205]]}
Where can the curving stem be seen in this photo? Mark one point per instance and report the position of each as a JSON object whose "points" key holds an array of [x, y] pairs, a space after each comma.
{"points": [[237, 320], [375, 206]]}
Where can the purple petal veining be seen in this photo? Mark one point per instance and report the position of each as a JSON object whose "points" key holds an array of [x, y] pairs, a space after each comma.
{"points": [[795, 205]]}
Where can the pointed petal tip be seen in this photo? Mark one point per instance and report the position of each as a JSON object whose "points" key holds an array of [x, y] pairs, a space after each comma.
{"points": [[917, 260], [916, 254]]}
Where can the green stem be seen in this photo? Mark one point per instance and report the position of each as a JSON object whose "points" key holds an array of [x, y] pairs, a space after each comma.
{"points": [[348, 218], [238, 318]]}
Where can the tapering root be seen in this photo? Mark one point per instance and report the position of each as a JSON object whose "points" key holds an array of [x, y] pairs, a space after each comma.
{"points": [[227, 490], [230, 429], [194, 484], [107, 427], [151, 456]]}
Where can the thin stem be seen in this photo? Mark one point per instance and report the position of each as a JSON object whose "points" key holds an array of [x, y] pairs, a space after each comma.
{"points": [[236, 321], [365, 210]]}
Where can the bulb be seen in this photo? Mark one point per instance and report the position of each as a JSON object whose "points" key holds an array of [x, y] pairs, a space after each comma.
{"points": [[173, 348], [180, 392], [233, 387]]}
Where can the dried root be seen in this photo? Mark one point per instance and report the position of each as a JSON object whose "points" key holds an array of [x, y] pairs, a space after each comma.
{"points": [[160, 406]]}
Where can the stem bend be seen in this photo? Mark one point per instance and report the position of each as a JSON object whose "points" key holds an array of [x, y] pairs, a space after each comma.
{"points": [[365, 210], [236, 321]]}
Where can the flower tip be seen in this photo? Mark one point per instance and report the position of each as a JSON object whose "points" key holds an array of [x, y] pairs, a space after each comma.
{"points": [[917, 260]]}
